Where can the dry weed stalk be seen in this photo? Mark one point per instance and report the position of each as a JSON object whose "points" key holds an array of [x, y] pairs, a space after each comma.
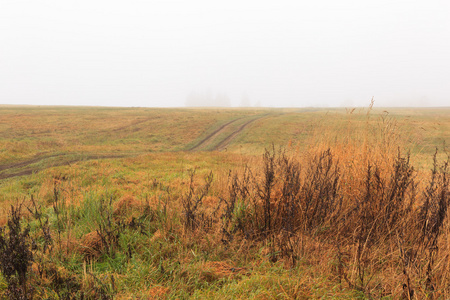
{"points": [[361, 197]]}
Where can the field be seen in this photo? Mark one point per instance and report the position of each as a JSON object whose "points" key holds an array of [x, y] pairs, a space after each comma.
{"points": [[143, 203]]}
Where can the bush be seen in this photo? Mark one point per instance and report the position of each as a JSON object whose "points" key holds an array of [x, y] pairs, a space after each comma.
{"points": [[16, 256]]}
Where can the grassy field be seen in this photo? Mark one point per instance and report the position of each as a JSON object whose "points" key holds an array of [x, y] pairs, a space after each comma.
{"points": [[141, 203]]}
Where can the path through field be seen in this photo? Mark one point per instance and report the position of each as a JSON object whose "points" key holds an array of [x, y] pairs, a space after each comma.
{"points": [[42, 162], [224, 143], [212, 136], [224, 135], [218, 140]]}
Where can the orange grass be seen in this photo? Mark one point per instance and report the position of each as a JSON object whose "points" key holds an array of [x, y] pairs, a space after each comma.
{"points": [[118, 229]]}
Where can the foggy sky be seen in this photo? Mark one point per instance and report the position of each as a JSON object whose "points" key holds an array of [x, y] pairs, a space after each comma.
{"points": [[159, 53]]}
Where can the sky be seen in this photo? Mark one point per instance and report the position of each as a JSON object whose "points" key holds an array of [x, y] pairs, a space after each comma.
{"points": [[167, 53]]}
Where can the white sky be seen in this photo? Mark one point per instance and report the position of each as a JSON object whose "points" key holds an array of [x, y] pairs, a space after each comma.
{"points": [[278, 53]]}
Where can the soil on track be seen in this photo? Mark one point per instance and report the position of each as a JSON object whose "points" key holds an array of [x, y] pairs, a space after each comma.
{"points": [[225, 142], [228, 139], [212, 135], [26, 162], [26, 167], [23, 170]]}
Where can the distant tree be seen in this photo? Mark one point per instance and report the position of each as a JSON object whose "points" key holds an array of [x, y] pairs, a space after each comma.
{"points": [[205, 99], [222, 100], [245, 100]]}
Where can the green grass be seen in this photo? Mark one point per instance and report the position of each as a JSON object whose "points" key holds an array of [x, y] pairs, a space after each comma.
{"points": [[95, 131], [94, 158]]}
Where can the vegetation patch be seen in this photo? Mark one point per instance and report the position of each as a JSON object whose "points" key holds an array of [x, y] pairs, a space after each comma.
{"points": [[305, 204]]}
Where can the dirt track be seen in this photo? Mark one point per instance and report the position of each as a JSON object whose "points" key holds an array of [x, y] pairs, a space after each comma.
{"points": [[25, 163], [30, 170], [26, 167], [211, 136], [228, 139], [223, 144]]}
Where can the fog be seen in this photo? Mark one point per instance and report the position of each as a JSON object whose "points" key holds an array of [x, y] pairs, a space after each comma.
{"points": [[163, 53]]}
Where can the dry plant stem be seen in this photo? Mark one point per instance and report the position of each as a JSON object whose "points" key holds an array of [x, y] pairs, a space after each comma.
{"points": [[192, 201]]}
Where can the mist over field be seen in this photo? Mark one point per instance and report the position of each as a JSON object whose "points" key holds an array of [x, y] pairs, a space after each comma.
{"points": [[202, 53], [201, 149]]}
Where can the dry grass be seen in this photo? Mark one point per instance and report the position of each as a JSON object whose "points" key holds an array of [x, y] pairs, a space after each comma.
{"points": [[339, 211], [91, 245], [127, 204]]}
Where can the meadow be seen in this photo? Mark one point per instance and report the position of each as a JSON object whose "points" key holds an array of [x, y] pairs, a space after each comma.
{"points": [[144, 203]]}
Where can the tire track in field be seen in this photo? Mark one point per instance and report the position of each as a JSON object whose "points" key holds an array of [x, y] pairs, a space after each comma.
{"points": [[26, 167], [26, 162], [31, 170], [212, 135], [136, 122], [225, 142], [228, 139]]}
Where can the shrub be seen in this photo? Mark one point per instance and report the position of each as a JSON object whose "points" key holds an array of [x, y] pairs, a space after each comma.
{"points": [[16, 256]]}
